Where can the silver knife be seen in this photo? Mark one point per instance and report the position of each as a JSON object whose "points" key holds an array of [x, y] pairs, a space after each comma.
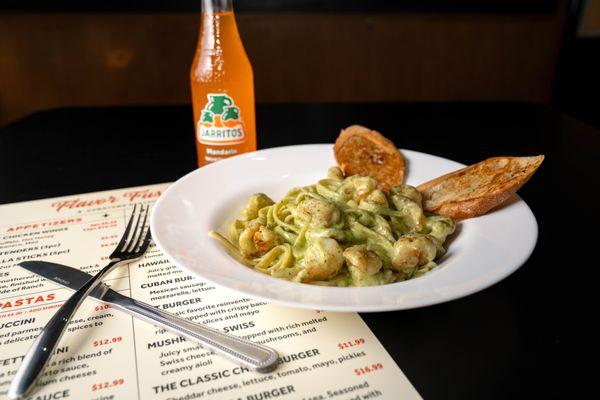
{"points": [[249, 354]]}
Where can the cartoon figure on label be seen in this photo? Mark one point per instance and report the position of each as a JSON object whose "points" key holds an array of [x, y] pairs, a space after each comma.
{"points": [[220, 121]]}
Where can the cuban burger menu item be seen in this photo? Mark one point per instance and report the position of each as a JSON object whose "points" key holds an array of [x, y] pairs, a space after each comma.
{"points": [[107, 354]]}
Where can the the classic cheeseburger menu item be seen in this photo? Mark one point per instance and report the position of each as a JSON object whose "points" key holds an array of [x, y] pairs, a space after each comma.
{"points": [[339, 232]]}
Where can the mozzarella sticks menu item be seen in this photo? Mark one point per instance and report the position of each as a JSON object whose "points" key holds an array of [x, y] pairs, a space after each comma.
{"points": [[107, 354]]}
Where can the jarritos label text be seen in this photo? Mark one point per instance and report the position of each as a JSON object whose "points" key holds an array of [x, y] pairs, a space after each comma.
{"points": [[220, 122]]}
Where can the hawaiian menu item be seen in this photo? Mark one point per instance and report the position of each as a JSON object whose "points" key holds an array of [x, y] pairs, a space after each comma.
{"points": [[339, 232]]}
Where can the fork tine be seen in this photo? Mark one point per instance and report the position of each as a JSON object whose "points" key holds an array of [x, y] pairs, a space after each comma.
{"points": [[141, 236], [133, 235], [127, 229], [146, 242], [130, 246]]}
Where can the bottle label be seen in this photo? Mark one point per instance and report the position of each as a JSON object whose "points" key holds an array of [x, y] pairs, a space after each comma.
{"points": [[220, 122]]}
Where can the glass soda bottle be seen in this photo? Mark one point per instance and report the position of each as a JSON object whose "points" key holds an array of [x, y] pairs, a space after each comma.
{"points": [[222, 87]]}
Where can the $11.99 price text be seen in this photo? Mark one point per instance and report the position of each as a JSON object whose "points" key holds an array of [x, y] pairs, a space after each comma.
{"points": [[351, 343]]}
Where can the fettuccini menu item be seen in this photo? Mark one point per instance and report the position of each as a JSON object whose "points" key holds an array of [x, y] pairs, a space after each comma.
{"points": [[106, 354]]}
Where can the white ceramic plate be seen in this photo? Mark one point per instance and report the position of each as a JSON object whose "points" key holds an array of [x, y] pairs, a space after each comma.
{"points": [[482, 252]]}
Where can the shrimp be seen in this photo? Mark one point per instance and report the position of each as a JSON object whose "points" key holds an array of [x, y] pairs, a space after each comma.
{"points": [[256, 239], [265, 239], [411, 251], [367, 262], [320, 213], [323, 260]]}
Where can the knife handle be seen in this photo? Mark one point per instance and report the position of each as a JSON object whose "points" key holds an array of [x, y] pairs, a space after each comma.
{"points": [[244, 352], [41, 350]]}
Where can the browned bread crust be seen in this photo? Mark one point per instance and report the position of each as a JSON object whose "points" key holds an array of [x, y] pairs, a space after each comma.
{"points": [[476, 189], [362, 151]]}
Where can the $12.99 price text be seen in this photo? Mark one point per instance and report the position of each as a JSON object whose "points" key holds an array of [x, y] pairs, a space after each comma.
{"points": [[102, 342], [108, 384]]}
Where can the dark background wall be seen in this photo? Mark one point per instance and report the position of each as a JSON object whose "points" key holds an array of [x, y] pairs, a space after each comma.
{"points": [[68, 53], [577, 87]]}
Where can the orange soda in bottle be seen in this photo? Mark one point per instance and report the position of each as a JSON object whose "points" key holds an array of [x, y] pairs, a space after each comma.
{"points": [[222, 87]]}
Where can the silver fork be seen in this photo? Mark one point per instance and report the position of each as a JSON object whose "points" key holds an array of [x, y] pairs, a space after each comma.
{"points": [[131, 247]]}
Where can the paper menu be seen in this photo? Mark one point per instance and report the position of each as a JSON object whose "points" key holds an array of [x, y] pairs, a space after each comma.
{"points": [[107, 354]]}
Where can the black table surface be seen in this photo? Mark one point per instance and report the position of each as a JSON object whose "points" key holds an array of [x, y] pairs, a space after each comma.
{"points": [[516, 339]]}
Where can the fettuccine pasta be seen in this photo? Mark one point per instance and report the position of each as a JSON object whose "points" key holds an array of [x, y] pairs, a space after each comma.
{"points": [[339, 232]]}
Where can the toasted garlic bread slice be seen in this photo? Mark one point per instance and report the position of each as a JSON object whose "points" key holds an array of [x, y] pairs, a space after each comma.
{"points": [[476, 189], [362, 151]]}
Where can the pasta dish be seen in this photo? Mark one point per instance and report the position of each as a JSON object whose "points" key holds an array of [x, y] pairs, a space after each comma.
{"points": [[339, 232]]}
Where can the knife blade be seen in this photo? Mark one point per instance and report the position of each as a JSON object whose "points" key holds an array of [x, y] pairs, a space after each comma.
{"points": [[71, 278], [256, 356]]}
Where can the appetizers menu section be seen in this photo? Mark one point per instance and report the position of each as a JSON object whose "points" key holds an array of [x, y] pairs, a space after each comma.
{"points": [[107, 354]]}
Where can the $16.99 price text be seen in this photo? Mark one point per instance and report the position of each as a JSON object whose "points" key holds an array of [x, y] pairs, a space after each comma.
{"points": [[367, 369]]}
